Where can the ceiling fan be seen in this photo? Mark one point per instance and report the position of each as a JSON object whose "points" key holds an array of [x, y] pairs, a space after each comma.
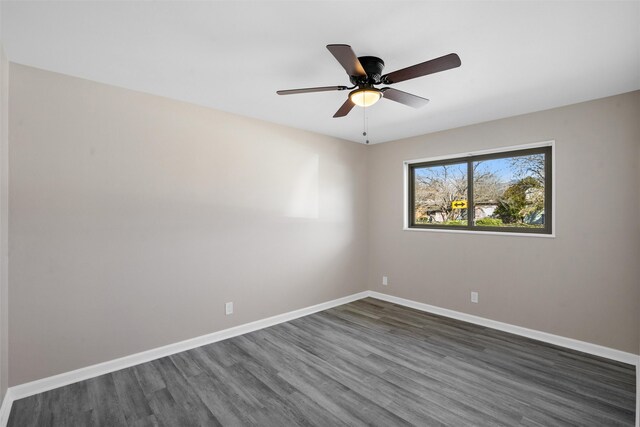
{"points": [[365, 72]]}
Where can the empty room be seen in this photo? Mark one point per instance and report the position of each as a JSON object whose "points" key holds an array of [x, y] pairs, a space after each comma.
{"points": [[319, 213]]}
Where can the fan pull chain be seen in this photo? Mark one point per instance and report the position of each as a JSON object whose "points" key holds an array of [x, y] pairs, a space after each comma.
{"points": [[367, 130], [365, 122]]}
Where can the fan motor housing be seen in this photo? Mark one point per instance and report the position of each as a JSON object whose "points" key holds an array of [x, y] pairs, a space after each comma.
{"points": [[373, 66]]}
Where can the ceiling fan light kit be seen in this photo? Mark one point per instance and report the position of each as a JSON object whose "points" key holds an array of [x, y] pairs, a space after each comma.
{"points": [[365, 72], [365, 97]]}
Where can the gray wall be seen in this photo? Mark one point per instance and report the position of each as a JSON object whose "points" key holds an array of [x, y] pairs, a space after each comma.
{"points": [[133, 218], [583, 284], [4, 224]]}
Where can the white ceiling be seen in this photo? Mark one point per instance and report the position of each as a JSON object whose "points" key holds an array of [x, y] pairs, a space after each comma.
{"points": [[517, 56]]}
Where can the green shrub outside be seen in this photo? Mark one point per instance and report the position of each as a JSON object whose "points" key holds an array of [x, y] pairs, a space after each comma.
{"points": [[455, 222], [490, 222]]}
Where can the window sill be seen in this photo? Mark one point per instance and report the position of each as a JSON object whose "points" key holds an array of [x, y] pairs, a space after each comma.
{"points": [[493, 233]]}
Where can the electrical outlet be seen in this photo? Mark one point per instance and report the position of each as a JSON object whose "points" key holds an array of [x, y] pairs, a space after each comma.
{"points": [[474, 297], [385, 280], [228, 308]]}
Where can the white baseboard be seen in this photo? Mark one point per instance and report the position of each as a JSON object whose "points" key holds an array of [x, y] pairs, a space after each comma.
{"points": [[5, 409], [586, 347], [49, 383]]}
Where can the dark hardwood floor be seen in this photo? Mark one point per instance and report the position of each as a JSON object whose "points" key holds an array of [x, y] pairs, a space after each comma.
{"points": [[365, 363]]}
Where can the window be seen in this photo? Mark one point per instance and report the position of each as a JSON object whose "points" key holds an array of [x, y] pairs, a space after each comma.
{"points": [[504, 192]]}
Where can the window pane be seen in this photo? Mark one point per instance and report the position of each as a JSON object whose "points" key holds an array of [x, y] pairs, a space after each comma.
{"points": [[440, 195], [509, 192]]}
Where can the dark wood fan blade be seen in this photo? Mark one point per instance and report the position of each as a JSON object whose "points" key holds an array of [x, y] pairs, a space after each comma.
{"points": [[348, 59], [443, 63], [310, 89], [344, 110], [404, 97]]}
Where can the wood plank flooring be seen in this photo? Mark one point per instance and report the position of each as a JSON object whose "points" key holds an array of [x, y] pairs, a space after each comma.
{"points": [[364, 363]]}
